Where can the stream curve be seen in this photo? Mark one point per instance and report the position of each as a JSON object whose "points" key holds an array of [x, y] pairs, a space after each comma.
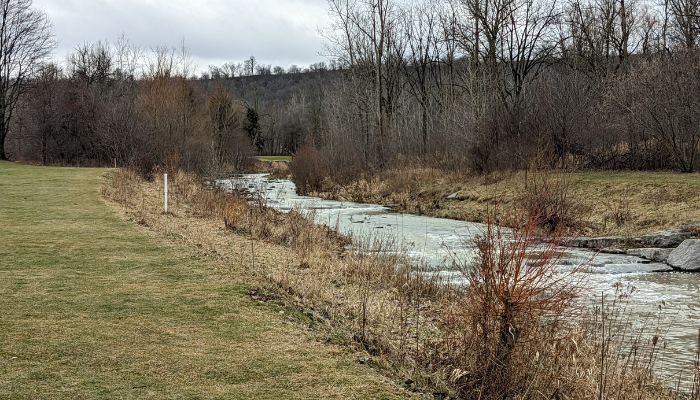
{"points": [[664, 303]]}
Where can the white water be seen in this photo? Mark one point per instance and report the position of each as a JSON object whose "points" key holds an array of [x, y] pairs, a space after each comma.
{"points": [[668, 299]]}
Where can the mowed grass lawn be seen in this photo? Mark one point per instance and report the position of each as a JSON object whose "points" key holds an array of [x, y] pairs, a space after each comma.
{"points": [[94, 307], [274, 158]]}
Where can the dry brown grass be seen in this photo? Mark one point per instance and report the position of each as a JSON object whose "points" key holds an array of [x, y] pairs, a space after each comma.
{"points": [[270, 165], [605, 203], [432, 334]]}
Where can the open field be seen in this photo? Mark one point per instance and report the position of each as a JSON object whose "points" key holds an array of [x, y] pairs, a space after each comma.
{"points": [[97, 307], [274, 158], [606, 203]]}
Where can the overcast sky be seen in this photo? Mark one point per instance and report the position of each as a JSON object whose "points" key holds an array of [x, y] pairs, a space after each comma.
{"points": [[277, 32]]}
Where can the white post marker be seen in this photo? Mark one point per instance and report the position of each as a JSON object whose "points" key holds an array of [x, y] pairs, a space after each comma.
{"points": [[166, 192]]}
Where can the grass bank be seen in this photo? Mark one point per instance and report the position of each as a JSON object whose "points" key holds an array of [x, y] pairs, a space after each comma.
{"points": [[94, 306], [603, 203], [518, 330]]}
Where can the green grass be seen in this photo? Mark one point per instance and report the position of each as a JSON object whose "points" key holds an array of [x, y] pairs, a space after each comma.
{"points": [[94, 307], [274, 158]]}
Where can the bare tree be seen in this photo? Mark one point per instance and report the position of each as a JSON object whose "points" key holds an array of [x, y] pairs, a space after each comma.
{"points": [[42, 107], [422, 28], [662, 101], [233, 69], [320, 66], [651, 32], [26, 39], [231, 147], [217, 73], [128, 58], [529, 44], [250, 65], [366, 36], [685, 16], [600, 34], [262, 69], [92, 63], [483, 29]]}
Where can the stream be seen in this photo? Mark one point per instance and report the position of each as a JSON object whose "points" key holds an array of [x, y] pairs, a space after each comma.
{"points": [[668, 299]]}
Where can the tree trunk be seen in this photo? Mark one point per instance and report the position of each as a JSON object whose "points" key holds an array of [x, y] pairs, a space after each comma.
{"points": [[424, 122], [3, 135]]}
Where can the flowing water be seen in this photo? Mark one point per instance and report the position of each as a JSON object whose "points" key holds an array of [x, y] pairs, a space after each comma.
{"points": [[669, 299]]}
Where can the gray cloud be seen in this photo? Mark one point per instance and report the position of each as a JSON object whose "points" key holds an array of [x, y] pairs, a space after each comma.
{"points": [[277, 32]]}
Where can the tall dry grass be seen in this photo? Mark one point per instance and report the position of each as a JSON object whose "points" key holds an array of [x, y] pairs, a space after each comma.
{"points": [[550, 203], [514, 327]]}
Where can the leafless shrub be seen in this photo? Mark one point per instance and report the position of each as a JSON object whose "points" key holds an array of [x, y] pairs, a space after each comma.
{"points": [[279, 169], [549, 202], [660, 103], [309, 169], [619, 211], [346, 163], [514, 304]]}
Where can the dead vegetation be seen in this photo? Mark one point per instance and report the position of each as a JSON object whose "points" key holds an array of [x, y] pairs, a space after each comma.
{"points": [[588, 203], [517, 329]]}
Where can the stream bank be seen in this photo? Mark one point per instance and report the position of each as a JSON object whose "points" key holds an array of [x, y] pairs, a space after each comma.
{"points": [[668, 298], [606, 204]]}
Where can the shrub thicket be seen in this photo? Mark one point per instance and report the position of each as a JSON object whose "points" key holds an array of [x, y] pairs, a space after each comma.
{"points": [[309, 169]]}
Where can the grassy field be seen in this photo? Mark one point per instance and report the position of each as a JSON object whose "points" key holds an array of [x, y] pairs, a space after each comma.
{"points": [[274, 158], [95, 307]]}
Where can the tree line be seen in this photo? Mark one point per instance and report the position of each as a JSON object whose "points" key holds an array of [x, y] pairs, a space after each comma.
{"points": [[251, 67], [474, 84], [492, 84], [115, 102]]}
